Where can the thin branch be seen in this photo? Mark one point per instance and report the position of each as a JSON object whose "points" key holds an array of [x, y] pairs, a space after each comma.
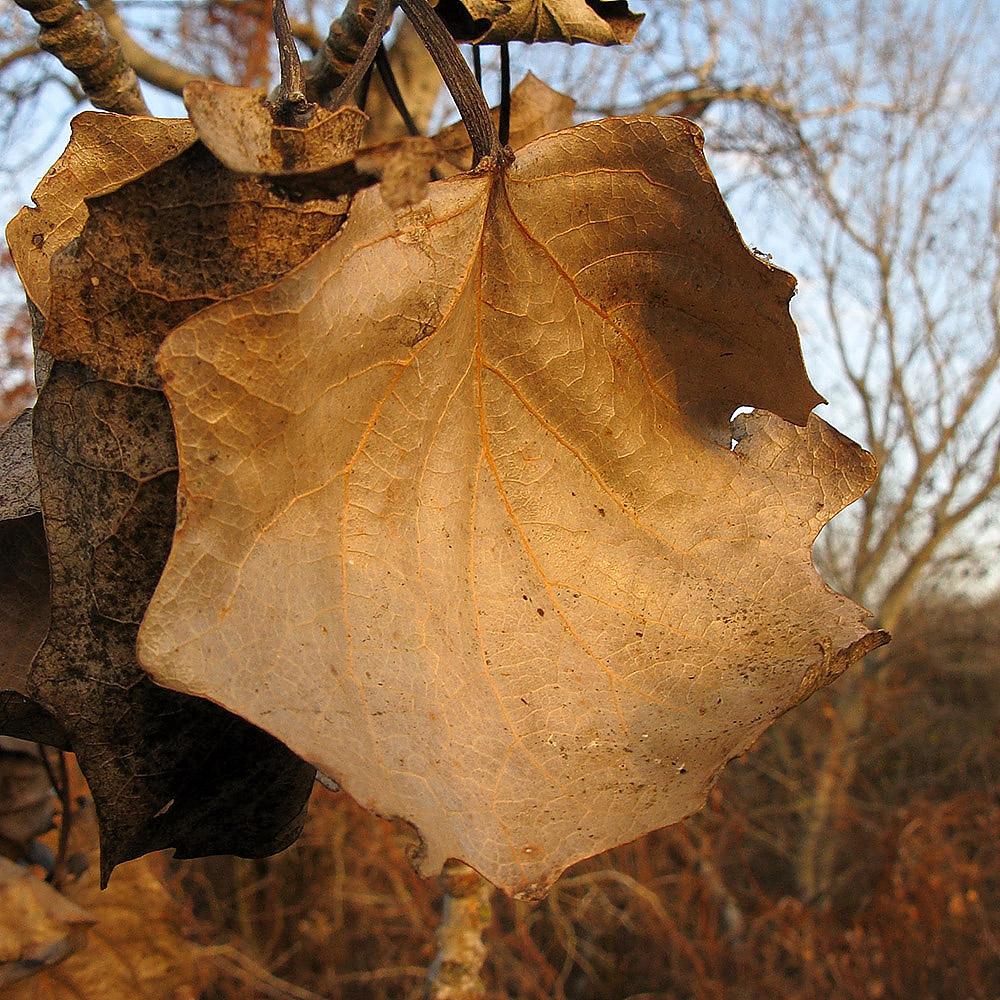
{"points": [[79, 40], [17, 54], [150, 68], [384, 68], [335, 57], [302, 30], [380, 25], [466, 93], [269, 985]]}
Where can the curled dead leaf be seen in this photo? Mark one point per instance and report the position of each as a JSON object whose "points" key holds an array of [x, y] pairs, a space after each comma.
{"points": [[601, 22], [462, 523], [104, 152], [235, 123]]}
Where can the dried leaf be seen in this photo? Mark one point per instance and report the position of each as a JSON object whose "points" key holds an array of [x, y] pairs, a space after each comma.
{"points": [[461, 519], [27, 799], [104, 152], [38, 927], [535, 110], [236, 125], [184, 235], [602, 22], [136, 947], [18, 479], [156, 760], [24, 623], [403, 166]]}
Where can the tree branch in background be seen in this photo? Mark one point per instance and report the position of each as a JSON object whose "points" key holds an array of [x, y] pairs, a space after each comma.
{"points": [[24, 52], [302, 30], [347, 37], [80, 41], [150, 68]]}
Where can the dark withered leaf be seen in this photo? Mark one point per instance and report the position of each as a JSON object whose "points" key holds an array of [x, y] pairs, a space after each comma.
{"points": [[18, 480], [187, 234], [24, 622], [599, 22], [156, 760], [24, 587]]}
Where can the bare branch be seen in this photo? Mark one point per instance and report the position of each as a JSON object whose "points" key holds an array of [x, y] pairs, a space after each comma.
{"points": [[79, 40], [347, 37], [9, 58], [150, 68]]}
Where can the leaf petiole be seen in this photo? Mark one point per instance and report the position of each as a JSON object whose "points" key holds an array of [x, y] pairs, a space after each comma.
{"points": [[487, 151], [290, 107]]}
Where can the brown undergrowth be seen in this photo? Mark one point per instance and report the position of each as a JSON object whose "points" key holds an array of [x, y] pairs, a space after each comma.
{"points": [[705, 909]]}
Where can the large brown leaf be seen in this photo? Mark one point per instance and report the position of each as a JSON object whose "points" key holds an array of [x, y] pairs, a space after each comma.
{"points": [[602, 22], [461, 519], [165, 769]]}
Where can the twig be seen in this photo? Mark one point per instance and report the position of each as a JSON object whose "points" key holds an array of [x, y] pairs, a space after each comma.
{"points": [[273, 986], [22, 53], [291, 107], [504, 127], [346, 38], [467, 94], [380, 25], [465, 915], [384, 68], [79, 40], [60, 782]]}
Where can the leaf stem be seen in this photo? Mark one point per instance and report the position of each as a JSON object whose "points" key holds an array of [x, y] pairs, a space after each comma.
{"points": [[291, 107], [504, 130], [380, 25], [487, 151], [392, 89]]}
